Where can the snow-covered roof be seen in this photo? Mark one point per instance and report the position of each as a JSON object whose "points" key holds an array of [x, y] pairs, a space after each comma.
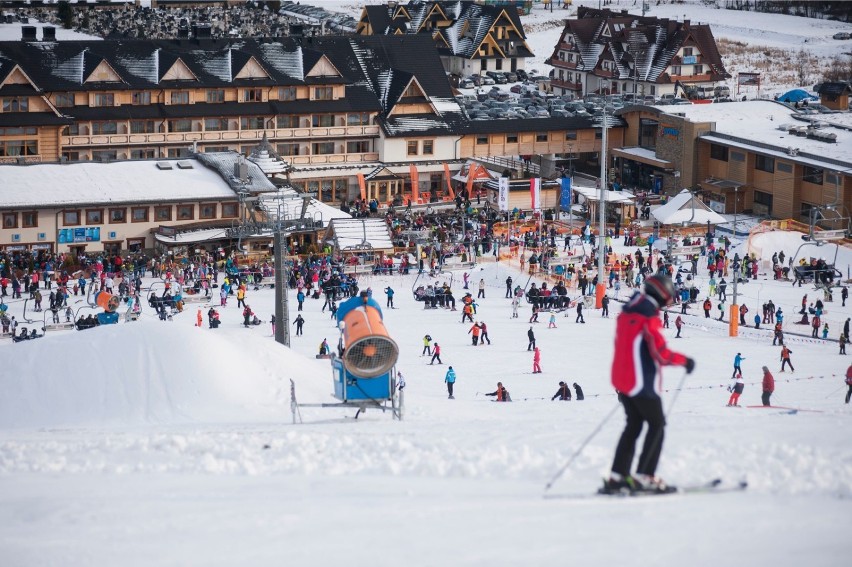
{"points": [[759, 122], [364, 234], [90, 183], [686, 208]]}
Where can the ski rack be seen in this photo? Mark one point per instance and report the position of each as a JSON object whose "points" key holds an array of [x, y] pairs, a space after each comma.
{"points": [[396, 406]]}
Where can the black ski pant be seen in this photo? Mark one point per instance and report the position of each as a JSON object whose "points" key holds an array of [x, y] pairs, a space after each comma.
{"points": [[450, 388], [426, 350], [435, 357], [678, 333], [765, 398], [786, 361], [849, 393], [640, 411]]}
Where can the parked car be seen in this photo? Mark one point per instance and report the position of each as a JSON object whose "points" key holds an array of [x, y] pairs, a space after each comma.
{"points": [[522, 75], [475, 79], [511, 76], [722, 91], [498, 77], [486, 80], [842, 35], [466, 84]]}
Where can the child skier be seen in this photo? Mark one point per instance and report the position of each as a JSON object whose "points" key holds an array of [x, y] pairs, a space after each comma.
{"points": [[736, 388], [501, 394]]}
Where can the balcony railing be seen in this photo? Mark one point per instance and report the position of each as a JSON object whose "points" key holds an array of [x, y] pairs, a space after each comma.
{"points": [[223, 136], [332, 158], [571, 86], [563, 64]]}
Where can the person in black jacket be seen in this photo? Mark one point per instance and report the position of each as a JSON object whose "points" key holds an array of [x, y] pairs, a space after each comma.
{"points": [[579, 391], [531, 337], [580, 318], [563, 393]]}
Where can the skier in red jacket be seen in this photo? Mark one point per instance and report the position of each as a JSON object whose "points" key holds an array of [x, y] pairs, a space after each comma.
{"points": [[640, 351]]}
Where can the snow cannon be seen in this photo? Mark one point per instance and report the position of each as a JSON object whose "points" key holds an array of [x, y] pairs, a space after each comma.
{"points": [[368, 350], [109, 303]]}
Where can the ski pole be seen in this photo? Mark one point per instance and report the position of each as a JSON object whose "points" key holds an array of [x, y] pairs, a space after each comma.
{"points": [[835, 391], [582, 446]]}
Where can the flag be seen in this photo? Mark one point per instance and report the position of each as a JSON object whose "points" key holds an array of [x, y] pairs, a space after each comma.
{"points": [[362, 184], [449, 184], [535, 193], [503, 195], [565, 198], [415, 183]]}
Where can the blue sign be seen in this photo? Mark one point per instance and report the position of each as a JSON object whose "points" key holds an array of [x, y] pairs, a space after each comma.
{"points": [[690, 59], [565, 197], [73, 235]]}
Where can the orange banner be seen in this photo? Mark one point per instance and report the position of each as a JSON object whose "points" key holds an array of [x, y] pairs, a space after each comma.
{"points": [[415, 183], [471, 173], [449, 183], [363, 185]]}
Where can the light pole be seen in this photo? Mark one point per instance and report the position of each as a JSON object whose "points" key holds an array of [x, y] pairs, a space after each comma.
{"points": [[600, 290], [733, 324]]}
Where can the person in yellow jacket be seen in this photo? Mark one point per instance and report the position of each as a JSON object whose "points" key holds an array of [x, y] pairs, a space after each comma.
{"points": [[241, 295]]}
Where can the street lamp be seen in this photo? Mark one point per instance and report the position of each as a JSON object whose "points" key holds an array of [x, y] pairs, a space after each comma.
{"points": [[733, 324], [600, 290]]}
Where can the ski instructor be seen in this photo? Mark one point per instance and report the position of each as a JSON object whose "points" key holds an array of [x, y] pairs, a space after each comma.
{"points": [[640, 352]]}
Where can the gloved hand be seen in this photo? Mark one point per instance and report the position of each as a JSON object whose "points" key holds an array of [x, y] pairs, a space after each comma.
{"points": [[690, 365]]}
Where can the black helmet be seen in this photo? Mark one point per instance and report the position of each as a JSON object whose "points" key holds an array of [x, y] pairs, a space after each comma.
{"points": [[660, 288]]}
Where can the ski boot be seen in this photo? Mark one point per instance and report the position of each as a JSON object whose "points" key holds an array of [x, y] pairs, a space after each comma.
{"points": [[649, 484]]}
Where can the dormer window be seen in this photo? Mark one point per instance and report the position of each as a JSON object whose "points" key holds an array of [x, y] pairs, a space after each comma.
{"points": [[253, 95], [180, 97], [687, 51], [16, 104], [323, 93]]}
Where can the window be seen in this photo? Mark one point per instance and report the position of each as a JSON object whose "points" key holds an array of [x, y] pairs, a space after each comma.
{"points": [[163, 213], [104, 128], [71, 218], [428, 147], [498, 64], [181, 125], [287, 93], [812, 175], [830, 177], [764, 163], [229, 210], [737, 156], [287, 121], [215, 124], [139, 214], [29, 219], [718, 152], [571, 135], [141, 97], [103, 99], [207, 211], [17, 148], [413, 147], [16, 104], [785, 167], [185, 212], [762, 198], [675, 70], [288, 149], [251, 123], [64, 100], [180, 97], [541, 137], [687, 51], [10, 220], [699, 70], [323, 148], [17, 130], [323, 93], [358, 147], [482, 140], [143, 153], [806, 210], [358, 119], [216, 95], [177, 152], [511, 138], [252, 95], [94, 216], [322, 120], [214, 149], [104, 155], [117, 216], [142, 127]]}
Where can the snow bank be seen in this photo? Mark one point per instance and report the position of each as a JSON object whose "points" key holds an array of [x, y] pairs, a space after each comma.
{"points": [[133, 374]]}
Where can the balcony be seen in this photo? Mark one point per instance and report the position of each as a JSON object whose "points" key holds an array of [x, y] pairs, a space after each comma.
{"points": [[558, 63], [333, 132], [687, 60], [332, 159], [567, 85]]}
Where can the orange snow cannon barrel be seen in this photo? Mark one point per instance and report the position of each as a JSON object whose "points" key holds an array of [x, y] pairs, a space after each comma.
{"points": [[368, 350], [107, 301]]}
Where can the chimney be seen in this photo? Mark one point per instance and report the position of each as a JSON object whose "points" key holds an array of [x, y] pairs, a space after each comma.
{"points": [[48, 33], [28, 33]]}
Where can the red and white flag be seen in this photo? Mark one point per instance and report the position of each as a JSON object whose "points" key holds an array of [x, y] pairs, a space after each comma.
{"points": [[535, 193]]}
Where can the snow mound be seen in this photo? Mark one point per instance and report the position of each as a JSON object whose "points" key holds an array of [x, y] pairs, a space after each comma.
{"points": [[152, 373]]}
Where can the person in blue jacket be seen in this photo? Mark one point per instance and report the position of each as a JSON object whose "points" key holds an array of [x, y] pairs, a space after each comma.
{"points": [[737, 362], [389, 291], [450, 379], [300, 297]]}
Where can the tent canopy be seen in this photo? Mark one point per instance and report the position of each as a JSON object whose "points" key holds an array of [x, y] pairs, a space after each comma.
{"points": [[359, 235], [686, 208], [796, 95]]}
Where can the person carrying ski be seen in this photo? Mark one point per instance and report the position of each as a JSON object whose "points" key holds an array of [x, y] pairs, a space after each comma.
{"points": [[427, 350], [736, 388], [768, 386], [563, 393], [785, 358], [738, 360], [450, 379], [536, 361], [436, 350], [501, 394], [579, 391], [531, 337], [640, 352]]}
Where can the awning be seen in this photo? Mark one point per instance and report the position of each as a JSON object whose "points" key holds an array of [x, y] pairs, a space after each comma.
{"points": [[686, 208], [592, 194], [721, 185], [642, 155]]}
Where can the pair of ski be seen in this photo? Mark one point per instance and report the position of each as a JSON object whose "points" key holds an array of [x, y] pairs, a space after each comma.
{"points": [[715, 486]]}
